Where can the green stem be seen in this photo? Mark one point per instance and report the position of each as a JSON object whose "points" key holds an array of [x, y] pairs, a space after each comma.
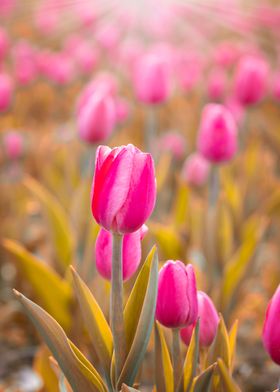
{"points": [[116, 305], [176, 359], [214, 185], [151, 129]]}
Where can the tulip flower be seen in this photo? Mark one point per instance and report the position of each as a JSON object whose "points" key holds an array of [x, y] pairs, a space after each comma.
{"points": [[251, 80], [131, 252], [173, 143], [177, 297], [97, 119], [196, 170], [6, 92], [217, 82], [271, 335], [124, 188], [4, 43], [217, 137], [208, 322], [13, 145]]}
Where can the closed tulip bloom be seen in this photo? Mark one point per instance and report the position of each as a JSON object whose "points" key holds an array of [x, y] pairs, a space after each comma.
{"points": [[251, 80], [209, 320], [124, 188], [131, 252], [152, 80], [13, 145], [196, 170], [6, 92], [217, 137], [271, 334], [177, 295], [97, 119]]}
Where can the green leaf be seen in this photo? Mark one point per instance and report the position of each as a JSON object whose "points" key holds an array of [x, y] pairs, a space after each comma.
{"points": [[227, 382], [232, 342], [191, 360], [203, 382], [54, 294], [139, 317], [60, 228], [220, 347], [79, 372], [163, 366], [96, 323]]}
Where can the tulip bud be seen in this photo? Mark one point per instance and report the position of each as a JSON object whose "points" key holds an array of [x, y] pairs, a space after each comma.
{"points": [[97, 119], [124, 188], [131, 252], [217, 137], [13, 144], [151, 79], [217, 81], [4, 43], [174, 143], [271, 336], [177, 296], [6, 92], [251, 80], [208, 322], [195, 170]]}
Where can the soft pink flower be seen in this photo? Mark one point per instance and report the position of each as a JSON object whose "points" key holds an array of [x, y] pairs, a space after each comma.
{"points": [[177, 296], [4, 43], [217, 137], [131, 252], [174, 143], [13, 145], [196, 170], [124, 188], [217, 84], [209, 320], [6, 91], [271, 335]]}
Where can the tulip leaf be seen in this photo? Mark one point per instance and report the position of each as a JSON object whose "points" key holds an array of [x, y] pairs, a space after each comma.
{"points": [[79, 372], [163, 366], [54, 294], [96, 323], [62, 386], [203, 382], [181, 205], [125, 388], [60, 228], [232, 342], [226, 379], [168, 239], [139, 317], [221, 346], [43, 367], [191, 360]]}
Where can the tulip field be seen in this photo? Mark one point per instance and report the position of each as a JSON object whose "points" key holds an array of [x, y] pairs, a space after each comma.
{"points": [[140, 195]]}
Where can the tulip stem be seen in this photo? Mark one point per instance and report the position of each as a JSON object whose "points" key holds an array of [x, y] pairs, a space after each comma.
{"points": [[116, 305], [214, 184], [176, 359]]}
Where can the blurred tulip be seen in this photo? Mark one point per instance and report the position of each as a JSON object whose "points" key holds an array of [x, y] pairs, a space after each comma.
{"points": [[173, 143], [6, 92], [276, 86], [271, 335], [251, 80], [13, 145], [216, 87], [151, 79], [123, 110], [124, 188], [4, 43], [217, 137], [177, 296], [208, 322], [131, 252], [97, 119], [196, 170]]}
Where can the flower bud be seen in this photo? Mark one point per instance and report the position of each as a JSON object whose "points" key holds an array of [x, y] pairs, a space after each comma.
{"points": [[177, 296], [209, 320], [217, 137], [271, 336], [97, 119], [13, 145], [217, 82], [131, 252], [173, 143], [151, 79], [195, 170], [124, 188], [6, 92], [251, 80]]}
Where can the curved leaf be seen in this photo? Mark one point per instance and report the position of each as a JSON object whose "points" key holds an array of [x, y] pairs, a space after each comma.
{"points": [[220, 347], [228, 383], [191, 360], [96, 323], [55, 294], [163, 366], [79, 372], [203, 382]]}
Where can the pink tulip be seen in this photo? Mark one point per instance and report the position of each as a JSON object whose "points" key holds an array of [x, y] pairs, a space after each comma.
{"points": [[217, 81], [123, 110], [13, 145], [251, 80], [173, 143], [86, 58], [6, 92], [196, 170], [97, 119], [124, 188], [177, 296], [209, 320], [271, 336], [152, 79], [4, 43], [6, 7], [131, 252], [217, 137], [61, 70]]}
